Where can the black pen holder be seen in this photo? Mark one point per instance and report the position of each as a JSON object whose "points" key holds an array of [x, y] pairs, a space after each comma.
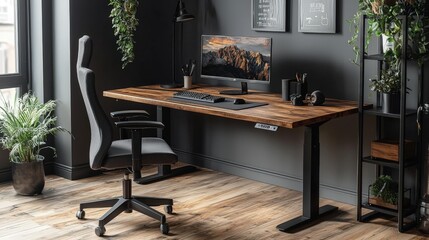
{"points": [[293, 87]]}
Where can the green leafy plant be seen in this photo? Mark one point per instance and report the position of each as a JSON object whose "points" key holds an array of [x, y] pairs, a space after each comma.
{"points": [[386, 189], [25, 125], [124, 24], [383, 19], [390, 81]]}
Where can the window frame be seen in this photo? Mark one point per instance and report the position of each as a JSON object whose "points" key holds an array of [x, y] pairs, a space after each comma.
{"points": [[20, 80]]}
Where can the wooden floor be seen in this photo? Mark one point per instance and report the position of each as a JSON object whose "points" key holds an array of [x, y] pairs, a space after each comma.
{"points": [[208, 205]]}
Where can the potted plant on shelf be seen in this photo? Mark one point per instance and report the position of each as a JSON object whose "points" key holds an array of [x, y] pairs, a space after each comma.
{"points": [[383, 20], [25, 125], [384, 192], [389, 85]]}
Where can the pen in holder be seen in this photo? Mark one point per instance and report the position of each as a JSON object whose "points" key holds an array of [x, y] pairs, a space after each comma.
{"points": [[188, 71], [187, 82], [297, 86]]}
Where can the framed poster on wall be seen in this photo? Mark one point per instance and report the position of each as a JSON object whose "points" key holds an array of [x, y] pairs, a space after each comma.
{"points": [[269, 15], [317, 16]]}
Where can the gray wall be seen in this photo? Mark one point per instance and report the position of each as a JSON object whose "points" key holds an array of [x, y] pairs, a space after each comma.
{"points": [[236, 147], [55, 75], [221, 144], [325, 57], [61, 75], [151, 64]]}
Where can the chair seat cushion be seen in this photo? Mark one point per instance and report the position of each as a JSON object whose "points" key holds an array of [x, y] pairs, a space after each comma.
{"points": [[154, 151]]}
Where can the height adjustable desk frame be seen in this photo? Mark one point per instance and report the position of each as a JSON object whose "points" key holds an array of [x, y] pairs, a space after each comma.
{"points": [[277, 113]]}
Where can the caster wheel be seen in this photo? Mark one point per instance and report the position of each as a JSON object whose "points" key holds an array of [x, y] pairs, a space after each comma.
{"points": [[80, 214], [168, 209], [99, 231], [164, 228]]}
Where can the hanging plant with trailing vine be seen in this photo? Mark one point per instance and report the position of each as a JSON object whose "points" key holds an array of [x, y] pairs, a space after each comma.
{"points": [[382, 16], [383, 19], [124, 24]]}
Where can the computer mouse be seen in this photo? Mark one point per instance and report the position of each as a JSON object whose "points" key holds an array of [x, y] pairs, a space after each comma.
{"points": [[239, 101]]}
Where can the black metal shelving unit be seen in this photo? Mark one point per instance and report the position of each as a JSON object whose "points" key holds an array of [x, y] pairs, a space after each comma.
{"points": [[381, 164]]}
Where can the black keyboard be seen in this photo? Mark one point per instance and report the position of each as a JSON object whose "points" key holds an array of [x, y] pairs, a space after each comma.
{"points": [[200, 97]]}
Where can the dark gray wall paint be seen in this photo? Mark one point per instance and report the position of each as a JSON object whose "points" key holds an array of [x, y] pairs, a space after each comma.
{"points": [[5, 173], [71, 20], [61, 76], [152, 65], [325, 57], [226, 145]]}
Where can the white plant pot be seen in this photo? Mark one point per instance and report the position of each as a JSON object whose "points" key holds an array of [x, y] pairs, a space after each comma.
{"points": [[386, 44]]}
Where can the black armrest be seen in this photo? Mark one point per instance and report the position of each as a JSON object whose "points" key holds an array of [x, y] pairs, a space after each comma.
{"points": [[139, 125], [121, 115]]}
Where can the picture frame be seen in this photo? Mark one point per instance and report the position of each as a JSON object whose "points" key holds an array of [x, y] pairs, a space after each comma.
{"points": [[317, 16], [268, 15]]}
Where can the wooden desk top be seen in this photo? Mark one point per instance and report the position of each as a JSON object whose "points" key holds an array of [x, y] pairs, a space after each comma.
{"points": [[277, 113]]}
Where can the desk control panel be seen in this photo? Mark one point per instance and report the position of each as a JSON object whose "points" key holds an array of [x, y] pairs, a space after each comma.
{"points": [[266, 127]]}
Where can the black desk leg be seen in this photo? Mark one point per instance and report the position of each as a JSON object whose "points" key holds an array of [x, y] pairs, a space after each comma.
{"points": [[164, 171], [311, 211]]}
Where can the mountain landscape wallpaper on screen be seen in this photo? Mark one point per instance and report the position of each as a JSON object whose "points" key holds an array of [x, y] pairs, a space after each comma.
{"points": [[236, 57]]}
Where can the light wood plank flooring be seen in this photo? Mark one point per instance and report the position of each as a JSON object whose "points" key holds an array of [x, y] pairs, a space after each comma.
{"points": [[208, 205]]}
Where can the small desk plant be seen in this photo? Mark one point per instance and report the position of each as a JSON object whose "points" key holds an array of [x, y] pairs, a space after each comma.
{"points": [[25, 124], [383, 20]]}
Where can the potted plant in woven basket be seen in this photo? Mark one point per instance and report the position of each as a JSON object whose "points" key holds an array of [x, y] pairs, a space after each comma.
{"points": [[384, 193], [25, 125]]}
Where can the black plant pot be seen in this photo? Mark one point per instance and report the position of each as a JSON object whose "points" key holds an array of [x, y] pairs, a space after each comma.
{"points": [[391, 102], [28, 178]]}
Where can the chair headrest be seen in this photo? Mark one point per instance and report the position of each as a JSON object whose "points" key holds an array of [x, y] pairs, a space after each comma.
{"points": [[84, 52]]}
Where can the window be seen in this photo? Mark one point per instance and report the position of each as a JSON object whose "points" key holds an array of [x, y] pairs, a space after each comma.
{"points": [[13, 48]]}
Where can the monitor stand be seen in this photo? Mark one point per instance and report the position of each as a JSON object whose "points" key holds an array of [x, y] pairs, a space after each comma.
{"points": [[243, 90]]}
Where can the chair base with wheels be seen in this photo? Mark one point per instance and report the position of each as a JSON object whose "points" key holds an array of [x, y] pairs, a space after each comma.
{"points": [[127, 203]]}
